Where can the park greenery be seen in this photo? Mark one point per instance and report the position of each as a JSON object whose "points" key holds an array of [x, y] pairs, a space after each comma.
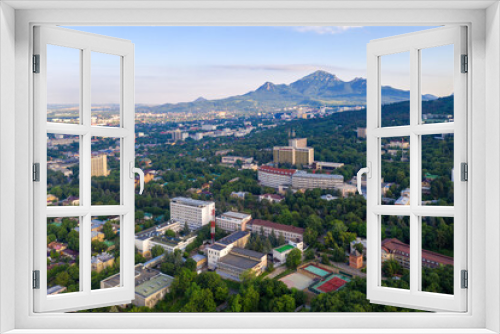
{"points": [[330, 226]]}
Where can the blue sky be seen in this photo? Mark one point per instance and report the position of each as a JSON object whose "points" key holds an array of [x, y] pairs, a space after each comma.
{"points": [[176, 64]]}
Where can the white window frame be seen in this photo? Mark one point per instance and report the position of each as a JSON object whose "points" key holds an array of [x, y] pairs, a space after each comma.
{"points": [[413, 44], [483, 102], [87, 44]]}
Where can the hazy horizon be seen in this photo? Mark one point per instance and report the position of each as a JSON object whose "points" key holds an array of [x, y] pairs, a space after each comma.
{"points": [[181, 64]]}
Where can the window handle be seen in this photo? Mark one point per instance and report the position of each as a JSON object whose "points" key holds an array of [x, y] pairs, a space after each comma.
{"points": [[368, 171], [139, 171]]}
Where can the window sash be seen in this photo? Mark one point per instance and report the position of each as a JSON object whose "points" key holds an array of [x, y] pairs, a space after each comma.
{"points": [[414, 298], [86, 297]]}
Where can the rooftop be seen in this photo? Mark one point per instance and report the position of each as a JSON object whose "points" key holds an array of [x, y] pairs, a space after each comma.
{"points": [[191, 202], [284, 248], [154, 285], [247, 252], [278, 171], [217, 247], [235, 215], [233, 237], [396, 245], [198, 257], [302, 173], [238, 261], [276, 226]]}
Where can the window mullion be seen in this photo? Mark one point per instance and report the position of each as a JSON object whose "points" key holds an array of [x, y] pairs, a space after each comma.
{"points": [[85, 175], [414, 169]]}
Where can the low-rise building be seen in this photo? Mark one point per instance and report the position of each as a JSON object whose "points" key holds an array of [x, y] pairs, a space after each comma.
{"points": [[273, 198], [355, 260], [290, 233], [143, 238], [201, 262], [102, 261], [346, 189], [230, 160], [223, 246], [320, 165], [239, 194], [240, 260], [395, 249], [150, 285], [280, 253], [233, 221]]}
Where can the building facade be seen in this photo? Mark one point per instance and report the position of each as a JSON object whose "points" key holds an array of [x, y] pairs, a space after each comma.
{"points": [[296, 153], [99, 165], [394, 249], [193, 212], [304, 180], [233, 221], [290, 233], [275, 177]]}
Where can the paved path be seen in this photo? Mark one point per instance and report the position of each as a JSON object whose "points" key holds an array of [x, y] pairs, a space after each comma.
{"points": [[345, 268], [276, 272]]}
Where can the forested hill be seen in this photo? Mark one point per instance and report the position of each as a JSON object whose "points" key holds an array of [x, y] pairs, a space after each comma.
{"points": [[316, 89]]}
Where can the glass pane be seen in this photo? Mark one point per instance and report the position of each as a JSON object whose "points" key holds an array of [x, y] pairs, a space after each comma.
{"points": [[395, 170], [105, 91], [437, 83], [63, 84], [395, 89], [105, 245], [63, 261], [105, 171], [437, 254], [395, 250], [63, 181], [437, 169]]}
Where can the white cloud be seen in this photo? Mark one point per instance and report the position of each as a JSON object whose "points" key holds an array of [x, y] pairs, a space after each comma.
{"points": [[325, 30]]}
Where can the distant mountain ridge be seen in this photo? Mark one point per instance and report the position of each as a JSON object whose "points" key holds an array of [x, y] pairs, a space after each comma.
{"points": [[319, 88]]}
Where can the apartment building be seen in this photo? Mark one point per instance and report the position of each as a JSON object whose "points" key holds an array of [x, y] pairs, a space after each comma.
{"points": [[395, 249], [99, 165], [233, 221], [275, 177], [304, 180], [193, 212], [290, 233]]}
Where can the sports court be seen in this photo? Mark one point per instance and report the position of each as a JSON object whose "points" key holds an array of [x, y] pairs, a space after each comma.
{"points": [[332, 283], [317, 271], [297, 280]]}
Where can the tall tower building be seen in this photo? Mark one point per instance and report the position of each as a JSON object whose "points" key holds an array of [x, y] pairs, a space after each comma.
{"points": [[99, 166]]}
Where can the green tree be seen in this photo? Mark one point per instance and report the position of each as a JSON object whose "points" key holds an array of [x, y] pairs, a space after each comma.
{"points": [[108, 231], [157, 250], [294, 258]]}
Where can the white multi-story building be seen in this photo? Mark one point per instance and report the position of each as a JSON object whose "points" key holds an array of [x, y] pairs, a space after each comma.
{"points": [[275, 177], [193, 212], [304, 180], [233, 221]]}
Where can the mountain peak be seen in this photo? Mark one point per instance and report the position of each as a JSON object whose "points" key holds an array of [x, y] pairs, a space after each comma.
{"points": [[323, 75], [200, 99], [269, 86]]}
